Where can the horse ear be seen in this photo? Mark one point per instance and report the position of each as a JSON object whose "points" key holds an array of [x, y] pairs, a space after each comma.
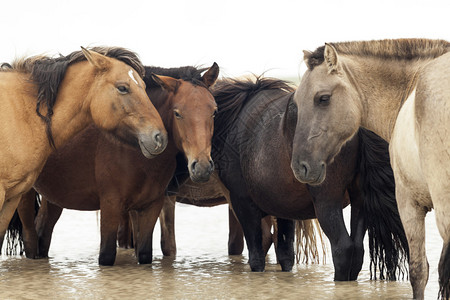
{"points": [[331, 59], [306, 55], [168, 83], [99, 61], [210, 76]]}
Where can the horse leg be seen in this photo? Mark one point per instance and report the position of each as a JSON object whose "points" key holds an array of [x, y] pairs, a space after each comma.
{"points": [[329, 214], [443, 223], [167, 223], [267, 237], [109, 223], [26, 211], [7, 212], [249, 217], [357, 230], [46, 219], [235, 234], [285, 243], [413, 219], [145, 220], [124, 232]]}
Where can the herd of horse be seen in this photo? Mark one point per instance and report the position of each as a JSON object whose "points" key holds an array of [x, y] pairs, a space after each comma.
{"points": [[366, 127]]}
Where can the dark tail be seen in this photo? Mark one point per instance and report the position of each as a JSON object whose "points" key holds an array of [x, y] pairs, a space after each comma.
{"points": [[389, 252], [444, 272], [14, 237]]}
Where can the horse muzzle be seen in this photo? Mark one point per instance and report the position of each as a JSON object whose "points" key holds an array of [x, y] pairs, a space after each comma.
{"points": [[312, 174], [200, 171], [154, 143]]}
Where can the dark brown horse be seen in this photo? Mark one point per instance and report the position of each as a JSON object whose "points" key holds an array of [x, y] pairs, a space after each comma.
{"points": [[94, 171], [252, 148]]}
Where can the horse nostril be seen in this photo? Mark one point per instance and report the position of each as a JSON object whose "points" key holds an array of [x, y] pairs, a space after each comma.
{"points": [[193, 165], [304, 167]]}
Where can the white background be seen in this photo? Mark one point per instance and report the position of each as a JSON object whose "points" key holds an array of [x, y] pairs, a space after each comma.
{"points": [[241, 36]]}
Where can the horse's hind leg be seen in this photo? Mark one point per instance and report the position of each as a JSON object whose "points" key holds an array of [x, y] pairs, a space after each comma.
{"points": [[167, 223], [26, 210], [46, 219], [413, 219], [285, 243], [235, 234], [442, 212]]}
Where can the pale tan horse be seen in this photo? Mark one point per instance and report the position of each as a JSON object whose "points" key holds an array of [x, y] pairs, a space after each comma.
{"points": [[400, 89], [46, 101]]}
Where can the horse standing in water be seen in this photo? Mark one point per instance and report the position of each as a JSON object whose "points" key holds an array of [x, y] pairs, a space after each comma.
{"points": [[94, 172], [46, 101], [252, 147], [399, 89]]}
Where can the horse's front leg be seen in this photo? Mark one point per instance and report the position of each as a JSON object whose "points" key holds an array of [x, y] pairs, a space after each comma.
{"points": [[167, 223], [249, 216], [110, 217], [6, 213], [285, 243], [26, 211], [328, 209], [143, 224], [357, 229]]}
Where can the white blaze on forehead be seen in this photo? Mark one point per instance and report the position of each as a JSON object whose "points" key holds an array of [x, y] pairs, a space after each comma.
{"points": [[130, 73]]}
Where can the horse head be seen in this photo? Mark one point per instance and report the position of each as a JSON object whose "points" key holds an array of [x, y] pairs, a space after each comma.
{"points": [[192, 119], [328, 115], [119, 104]]}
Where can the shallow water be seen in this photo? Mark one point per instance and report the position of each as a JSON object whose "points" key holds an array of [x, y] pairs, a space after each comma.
{"points": [[201, 270]]}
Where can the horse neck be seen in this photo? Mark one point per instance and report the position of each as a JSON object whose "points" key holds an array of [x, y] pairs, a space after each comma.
{"points": [[71, 110], [383, 87]]}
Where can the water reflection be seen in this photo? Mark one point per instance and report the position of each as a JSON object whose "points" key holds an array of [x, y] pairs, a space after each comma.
{"points": [[202, 268]]}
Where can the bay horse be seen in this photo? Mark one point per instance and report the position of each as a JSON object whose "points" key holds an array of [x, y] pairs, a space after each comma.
{"points": [[46, 101], [252, 146], [94, 171], [400, 90]]}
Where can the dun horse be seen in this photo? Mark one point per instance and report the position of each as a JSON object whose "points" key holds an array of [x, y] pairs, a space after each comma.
{"points": [[399, 89], [252, 148], [46, 101], [95, 172]]}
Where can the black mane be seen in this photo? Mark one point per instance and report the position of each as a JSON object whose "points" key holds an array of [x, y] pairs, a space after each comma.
{"points": [[188, 73], [231, 95]]}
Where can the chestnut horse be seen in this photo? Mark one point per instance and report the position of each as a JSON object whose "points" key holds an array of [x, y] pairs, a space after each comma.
{"points": [[399, 89], [46, 101], [94, 172], [252, 146]]}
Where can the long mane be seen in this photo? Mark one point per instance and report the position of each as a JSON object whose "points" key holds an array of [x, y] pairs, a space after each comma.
{"points": [[399, 49], [47, 74], [231, 95]]}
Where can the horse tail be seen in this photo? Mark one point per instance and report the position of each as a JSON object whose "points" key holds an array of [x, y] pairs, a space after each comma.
{"points": [[444, 272], [388, 245], [14, 234], [308, 236]]}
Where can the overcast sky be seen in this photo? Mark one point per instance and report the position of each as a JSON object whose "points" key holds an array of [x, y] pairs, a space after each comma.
{"points": [[241, 36]]}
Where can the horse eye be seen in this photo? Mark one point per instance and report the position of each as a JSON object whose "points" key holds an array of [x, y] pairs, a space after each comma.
{"points": [[324, 100], [177, 114], [122, 89], [215, 113]]}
